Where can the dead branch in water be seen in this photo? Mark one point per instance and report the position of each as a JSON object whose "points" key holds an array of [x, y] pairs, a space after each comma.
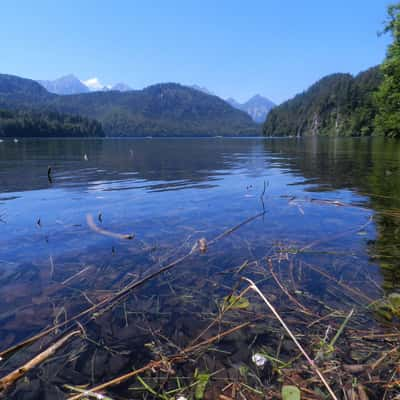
{"points": [[337, 236], [12, 377], [236, 227], [92, 225], [284, 290], [339, 283]]}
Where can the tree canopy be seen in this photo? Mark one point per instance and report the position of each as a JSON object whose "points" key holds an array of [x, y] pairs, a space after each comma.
{"points": [[387, 121], [26, 123]]}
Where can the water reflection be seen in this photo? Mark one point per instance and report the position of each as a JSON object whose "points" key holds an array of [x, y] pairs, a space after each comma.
{"points": [[368, 167]]}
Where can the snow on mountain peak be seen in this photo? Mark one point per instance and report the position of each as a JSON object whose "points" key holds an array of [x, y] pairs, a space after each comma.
{"points": [[94, 84]]}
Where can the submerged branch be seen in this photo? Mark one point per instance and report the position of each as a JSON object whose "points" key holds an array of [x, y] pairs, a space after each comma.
{"points": [[92, 225], [12, 377]]}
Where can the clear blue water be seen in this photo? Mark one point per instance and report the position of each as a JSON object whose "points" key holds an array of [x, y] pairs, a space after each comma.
{"points": [[328, 202]]}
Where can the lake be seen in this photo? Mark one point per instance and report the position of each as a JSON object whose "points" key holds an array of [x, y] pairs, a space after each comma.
{"points": [[314, 222]]}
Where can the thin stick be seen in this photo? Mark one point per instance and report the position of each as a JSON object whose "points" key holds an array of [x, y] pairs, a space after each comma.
{"points": [[339, 235], [9, 379], [341, 329], [289, 332], [262, 197], [284, 290], [381, 359], [343, 285], [75, 275], [236, 227]]}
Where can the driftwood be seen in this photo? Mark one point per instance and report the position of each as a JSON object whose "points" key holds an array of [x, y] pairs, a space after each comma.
{"points": [[12, 377]]}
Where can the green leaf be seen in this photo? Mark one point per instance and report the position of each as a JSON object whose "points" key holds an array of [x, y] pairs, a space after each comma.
{"points": [[290, 392], [202, 380], [394, 300], [236, 302]]}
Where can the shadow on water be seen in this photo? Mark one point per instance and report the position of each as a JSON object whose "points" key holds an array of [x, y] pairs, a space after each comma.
{"points": [[327, 243]]}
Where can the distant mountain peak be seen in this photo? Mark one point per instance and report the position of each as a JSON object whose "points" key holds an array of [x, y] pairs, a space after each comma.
{"points": [[67, 84], [257, 107], [70, 84], [95, 85], [202, 89], [258, 97], [121, 87], [68, 76]]}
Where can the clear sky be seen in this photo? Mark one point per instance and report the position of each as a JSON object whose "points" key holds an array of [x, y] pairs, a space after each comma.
{"points": [[233, 47]]}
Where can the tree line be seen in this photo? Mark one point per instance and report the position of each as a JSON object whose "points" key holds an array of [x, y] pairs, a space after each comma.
{"points": [[27, 123]]}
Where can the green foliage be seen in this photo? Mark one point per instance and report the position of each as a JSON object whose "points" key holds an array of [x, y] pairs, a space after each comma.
{"points": [[337, 105], [388, 97], [160, 110], [388, 307], [236, 302], [290, 392], [200, 388], [46, 124]]}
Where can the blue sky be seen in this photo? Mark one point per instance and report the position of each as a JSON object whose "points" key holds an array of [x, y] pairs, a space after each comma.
{"points": [[234, 48]]}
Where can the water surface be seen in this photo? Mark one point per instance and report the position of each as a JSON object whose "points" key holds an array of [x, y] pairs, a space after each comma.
{"points": [[331, 203]]}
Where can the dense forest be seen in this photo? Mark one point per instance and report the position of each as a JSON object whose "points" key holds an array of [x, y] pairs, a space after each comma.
{"points": [[338, 105], [46, 124], [343, 105], [160, 110]]}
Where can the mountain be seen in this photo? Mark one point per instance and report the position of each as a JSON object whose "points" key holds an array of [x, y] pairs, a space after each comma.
{"points": [[18, 116], [121, 87], [233, 103], [257, 107], [68, 84], [94, 85], [167, 109], [202, 89], [337, 105]]}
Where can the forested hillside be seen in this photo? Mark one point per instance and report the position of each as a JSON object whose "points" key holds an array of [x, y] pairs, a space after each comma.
{"points": [[46, 124], [343, 105], [337, 105]]}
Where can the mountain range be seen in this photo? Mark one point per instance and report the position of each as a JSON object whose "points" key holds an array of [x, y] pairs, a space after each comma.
{"points": [[70, 84], [167, 109], [257, 106]]}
